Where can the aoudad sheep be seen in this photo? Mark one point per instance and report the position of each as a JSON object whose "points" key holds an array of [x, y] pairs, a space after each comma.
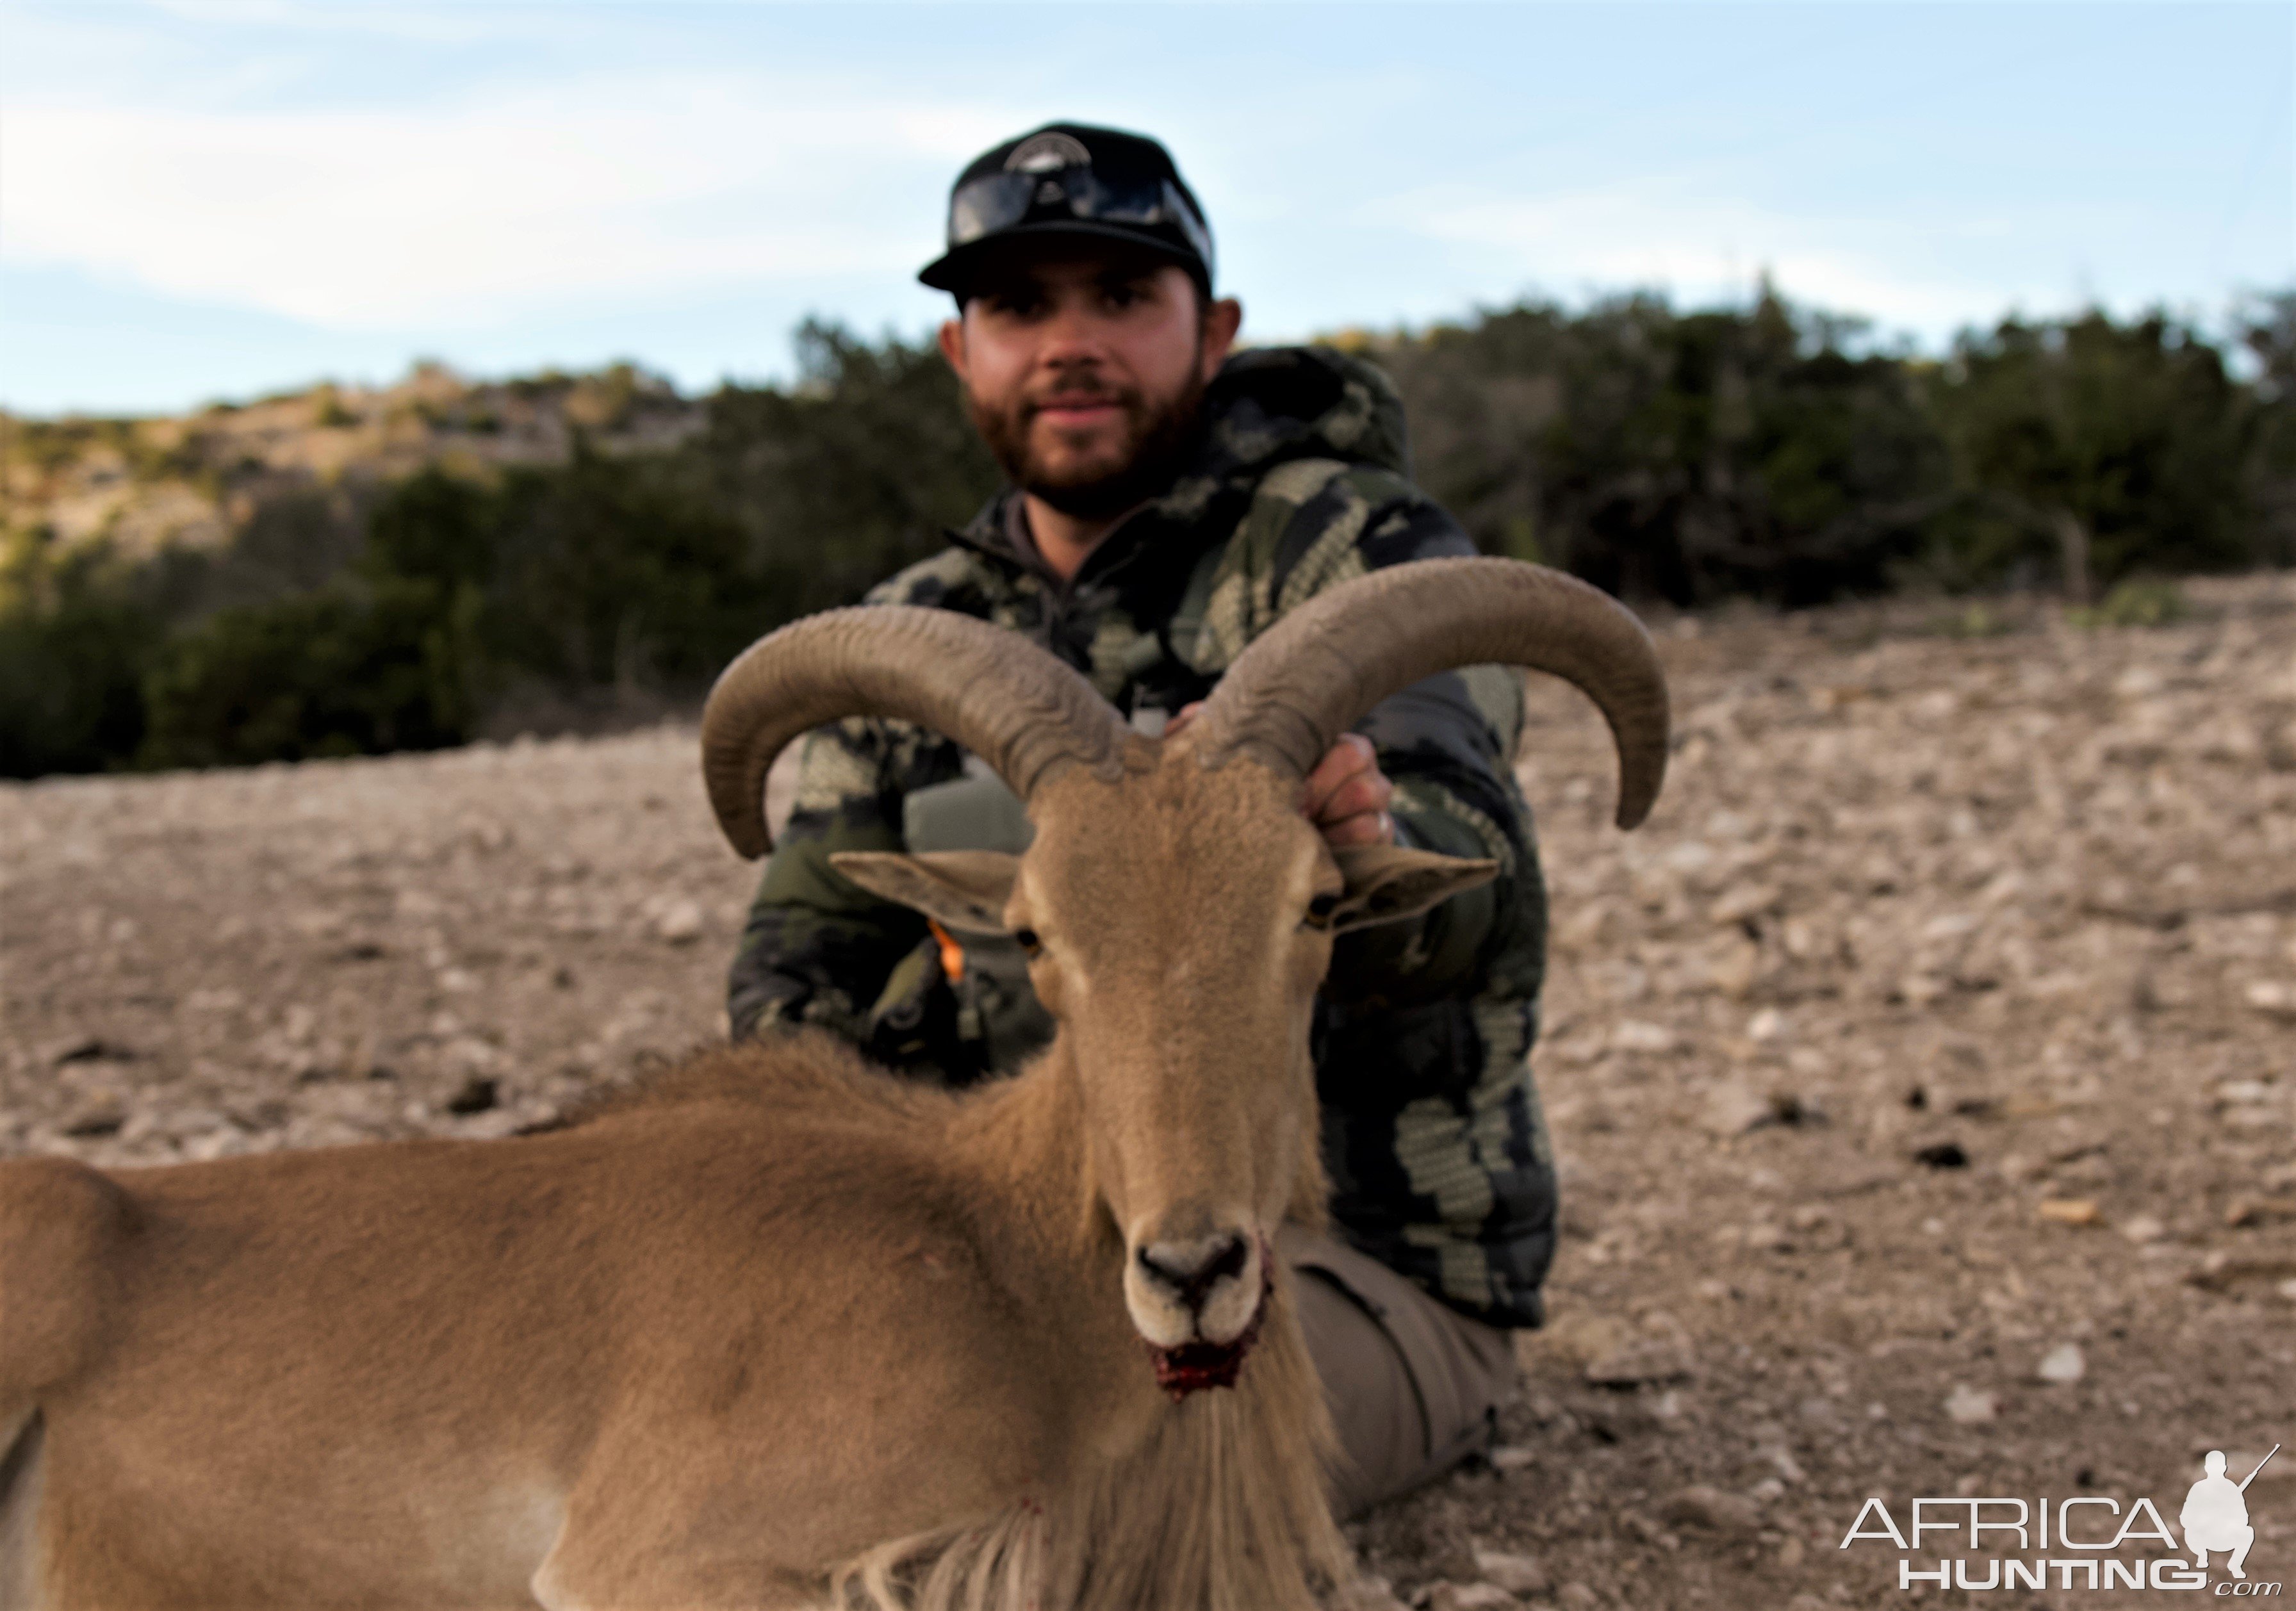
{"points": [[778, 1329]]}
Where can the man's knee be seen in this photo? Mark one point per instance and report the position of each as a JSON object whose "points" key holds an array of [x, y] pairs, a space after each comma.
{"points": [[1415, 1387]]}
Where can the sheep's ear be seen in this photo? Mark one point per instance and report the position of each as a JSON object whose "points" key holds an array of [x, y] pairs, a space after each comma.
{"points": [[1387, 882], [961, 889]]}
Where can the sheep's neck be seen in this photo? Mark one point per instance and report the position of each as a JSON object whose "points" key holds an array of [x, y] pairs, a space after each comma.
{"points": [[1026, 1142]]}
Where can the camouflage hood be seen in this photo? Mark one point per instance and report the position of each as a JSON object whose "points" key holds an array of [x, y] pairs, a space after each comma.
{"points": [[1267, 407]]}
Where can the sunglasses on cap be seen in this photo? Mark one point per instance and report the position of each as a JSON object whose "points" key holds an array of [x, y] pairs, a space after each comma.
{"points": [[999, 202]]}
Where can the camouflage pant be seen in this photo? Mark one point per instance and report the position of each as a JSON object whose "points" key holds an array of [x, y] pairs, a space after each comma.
{"points": [[1415, 1386]]}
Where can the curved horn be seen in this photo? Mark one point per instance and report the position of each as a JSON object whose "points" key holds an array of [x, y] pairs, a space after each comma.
{"points": [[1008, 701], [1315, 672]]}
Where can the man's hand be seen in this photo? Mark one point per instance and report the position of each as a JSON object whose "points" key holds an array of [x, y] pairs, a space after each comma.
{"points": [[1346, 796]]}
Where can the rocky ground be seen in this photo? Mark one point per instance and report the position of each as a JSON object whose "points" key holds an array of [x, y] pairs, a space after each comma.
{"points": [[1923, 1072]]}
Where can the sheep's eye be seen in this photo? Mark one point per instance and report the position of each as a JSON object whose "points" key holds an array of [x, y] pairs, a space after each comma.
{"points": [[1028, 941], [1320, 910]]}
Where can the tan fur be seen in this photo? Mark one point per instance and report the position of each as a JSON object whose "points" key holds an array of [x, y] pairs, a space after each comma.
{"points": [[716, 1342], [1217, 1510]]}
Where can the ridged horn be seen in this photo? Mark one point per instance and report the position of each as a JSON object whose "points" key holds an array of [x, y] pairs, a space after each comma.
{"points": [[1306, 678], [1023, 712]]}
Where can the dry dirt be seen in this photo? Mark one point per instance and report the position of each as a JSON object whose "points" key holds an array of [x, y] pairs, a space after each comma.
{"points": [[1938, 1024]]}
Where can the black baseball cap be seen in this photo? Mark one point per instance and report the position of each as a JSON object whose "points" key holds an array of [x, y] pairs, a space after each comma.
{"points": [[1073, 179]]}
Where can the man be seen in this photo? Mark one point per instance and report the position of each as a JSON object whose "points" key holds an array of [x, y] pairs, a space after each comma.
{"points": [[2215, 1516], [1168, 501]]}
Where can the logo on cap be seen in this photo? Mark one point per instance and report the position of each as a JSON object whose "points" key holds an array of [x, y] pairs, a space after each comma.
{"points": [[1047, 152]]}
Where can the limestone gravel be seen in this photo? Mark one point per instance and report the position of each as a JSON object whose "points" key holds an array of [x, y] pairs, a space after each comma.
{"points": [[1927, 930]]}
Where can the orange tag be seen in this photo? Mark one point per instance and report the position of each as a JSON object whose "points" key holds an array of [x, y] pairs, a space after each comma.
{"points": [[952, 954]]}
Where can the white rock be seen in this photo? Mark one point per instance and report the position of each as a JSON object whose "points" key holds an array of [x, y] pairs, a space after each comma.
{"points": [[1740, 902], [680, 922], [1469, 1597], [212, 1145], [2063, 1364], [1700, 1505], [2270, 996], [1733, 1107], [1689, 856], [490, 1125], [1950, 925], [1639, 1034], [2143, 1228], [1968, 1406], [1515, 1574]]}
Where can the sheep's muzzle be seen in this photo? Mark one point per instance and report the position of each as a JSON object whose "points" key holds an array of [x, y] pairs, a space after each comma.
{"points": [[1195, 1366]]}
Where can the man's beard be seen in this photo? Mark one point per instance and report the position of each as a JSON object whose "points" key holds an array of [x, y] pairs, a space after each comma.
{"points": [[1155, 440]]}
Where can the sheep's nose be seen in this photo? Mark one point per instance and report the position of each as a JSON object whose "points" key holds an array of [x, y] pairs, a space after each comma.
{"points": [[1189, 1271]]}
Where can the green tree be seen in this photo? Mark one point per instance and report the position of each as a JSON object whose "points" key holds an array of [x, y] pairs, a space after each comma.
{"points": [[76, 632], [346, 670], [2267, 329], [1686, 456], [845, 477], [2093, 450]]}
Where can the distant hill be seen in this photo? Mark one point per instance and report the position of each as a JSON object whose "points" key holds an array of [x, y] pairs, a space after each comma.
{"points": [[198, 480], [345, 570]]}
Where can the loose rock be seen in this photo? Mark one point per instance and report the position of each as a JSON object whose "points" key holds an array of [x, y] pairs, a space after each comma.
{"points": [[680, 923], [1468, 1597], [1967, 1406], [101, 1115], [1700, 1505], [2143, 1228], [2063, 1364], [1515, 1574], [1639, 1034], [1638, 1362], [1733, 1107], [2261, 1211]]}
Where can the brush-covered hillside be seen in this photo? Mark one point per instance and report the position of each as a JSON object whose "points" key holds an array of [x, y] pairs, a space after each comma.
{"points": [[346, 571]]}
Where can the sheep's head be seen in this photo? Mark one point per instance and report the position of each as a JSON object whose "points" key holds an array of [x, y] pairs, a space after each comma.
{"points": [[1179, 910], [1178, 921]]}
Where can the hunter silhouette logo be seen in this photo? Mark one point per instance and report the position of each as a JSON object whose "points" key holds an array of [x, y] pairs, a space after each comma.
{"points": [[2215, 1513], [2082, 1541]]}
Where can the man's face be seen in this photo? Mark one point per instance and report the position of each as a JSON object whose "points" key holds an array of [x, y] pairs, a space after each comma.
{"points": [[1084, 367]]}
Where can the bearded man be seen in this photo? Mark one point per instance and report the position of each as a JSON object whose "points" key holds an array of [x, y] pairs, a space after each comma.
{"points": [[1169, 500]]}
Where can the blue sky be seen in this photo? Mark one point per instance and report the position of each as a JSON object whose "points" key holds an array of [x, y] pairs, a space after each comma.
{"points": [[202, 200]]}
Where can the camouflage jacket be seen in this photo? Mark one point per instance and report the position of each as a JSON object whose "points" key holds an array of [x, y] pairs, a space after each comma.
{"points": [[1437, 1154]]}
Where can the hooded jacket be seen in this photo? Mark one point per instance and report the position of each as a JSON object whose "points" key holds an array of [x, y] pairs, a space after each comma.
{"points": [[1437, 1154]]}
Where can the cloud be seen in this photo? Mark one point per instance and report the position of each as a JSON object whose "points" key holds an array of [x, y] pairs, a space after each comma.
{"points": [[594, 188], [1701, 244], [427, 24]]}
